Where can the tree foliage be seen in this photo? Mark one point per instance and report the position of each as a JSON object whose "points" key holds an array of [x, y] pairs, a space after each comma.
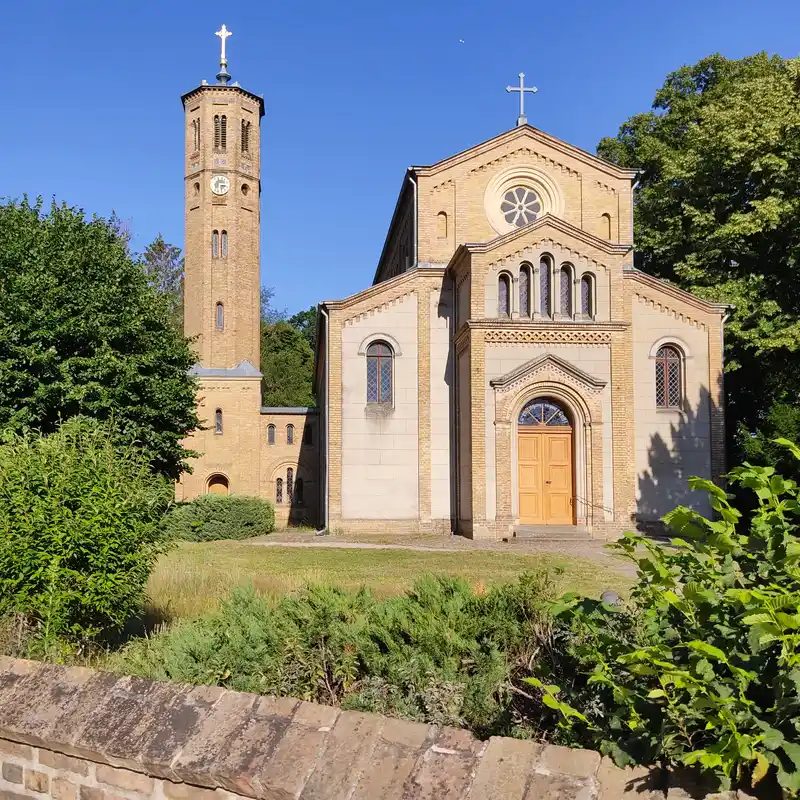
{"points": [[82, 333], [306, 323], [287, 364], [80, 530], [703, 666], [162, 264], [718, 212]]}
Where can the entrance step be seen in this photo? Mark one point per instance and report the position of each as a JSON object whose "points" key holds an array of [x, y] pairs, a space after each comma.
{"points": [[558, 533]]}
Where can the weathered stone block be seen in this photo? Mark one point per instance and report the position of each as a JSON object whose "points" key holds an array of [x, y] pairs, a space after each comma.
{"points": [[124, 779], [36, 781], [504, 769], [347, 754], [11, 772], [566, 761], [399, 744], [444, 771], [63, 789], [234, 755], [559, 787], [636, 782], [296, 754], [23, 752], [61, 762]]}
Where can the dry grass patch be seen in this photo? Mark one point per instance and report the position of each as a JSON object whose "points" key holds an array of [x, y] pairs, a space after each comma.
{"points": [[191, 579]]}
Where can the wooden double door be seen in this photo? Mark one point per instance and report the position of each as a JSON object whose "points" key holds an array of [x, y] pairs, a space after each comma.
{"points": [[545, 476]]}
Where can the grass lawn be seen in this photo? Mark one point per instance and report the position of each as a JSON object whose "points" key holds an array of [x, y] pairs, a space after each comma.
{"points": [[191, 579]]}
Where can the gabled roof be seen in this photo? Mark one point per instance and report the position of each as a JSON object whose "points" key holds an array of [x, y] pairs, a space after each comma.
{"points": [[547, 360], [546, 221], [528, 131]]}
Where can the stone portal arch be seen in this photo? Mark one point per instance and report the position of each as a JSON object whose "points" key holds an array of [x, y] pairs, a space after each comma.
{"points": [[580, 396]]}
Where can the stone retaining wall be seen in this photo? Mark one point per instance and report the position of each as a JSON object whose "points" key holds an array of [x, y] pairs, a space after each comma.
{"points": [[79, 734]]}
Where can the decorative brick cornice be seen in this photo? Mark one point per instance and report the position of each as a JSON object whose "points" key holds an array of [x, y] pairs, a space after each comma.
{"points": [[664, 287], [530, 155], [521, 336]]}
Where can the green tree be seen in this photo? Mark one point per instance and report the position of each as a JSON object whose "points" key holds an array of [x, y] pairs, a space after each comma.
{"points": [[718, 212], [162, 264], [287, 364], [82, 333], [306, 323]]}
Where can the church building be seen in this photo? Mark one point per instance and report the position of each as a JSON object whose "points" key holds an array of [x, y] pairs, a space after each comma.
{"points": [[508, 370]]}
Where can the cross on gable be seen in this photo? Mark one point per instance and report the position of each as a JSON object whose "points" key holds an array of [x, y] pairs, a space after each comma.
{"points": [[522, 119]]}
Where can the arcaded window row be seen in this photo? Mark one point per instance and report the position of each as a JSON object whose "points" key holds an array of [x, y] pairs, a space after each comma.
{"points": [[555, 291], [294, 489]]}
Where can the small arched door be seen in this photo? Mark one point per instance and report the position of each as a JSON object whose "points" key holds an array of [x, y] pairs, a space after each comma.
{"points": [[544, 453], [217, 484]]}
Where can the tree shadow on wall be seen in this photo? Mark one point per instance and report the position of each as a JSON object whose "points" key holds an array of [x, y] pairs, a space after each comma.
{"points": [[672, 458]]}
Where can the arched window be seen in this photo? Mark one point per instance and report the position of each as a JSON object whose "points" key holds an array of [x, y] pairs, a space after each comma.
{"points": [[669, 392], [224, 248], [223, 134], [220, 317], [217, 484], [290, 434], [441, 225], [379, 373], [587, 296], [524, 291], [214, 244], [307, 435], [270, 434], [542, 412], [565, 291], [196, 134], [544, 287], [218, 421], [289, 484], [217, 132], [504, 296], [298, 492], [245, 136], [605, 226], [279, 491]]}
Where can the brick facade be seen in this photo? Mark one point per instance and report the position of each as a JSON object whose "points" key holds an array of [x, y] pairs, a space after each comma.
{"points": [[441, 455]]}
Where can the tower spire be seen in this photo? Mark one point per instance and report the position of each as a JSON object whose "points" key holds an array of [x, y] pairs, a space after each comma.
{"points": [[223, 76]]}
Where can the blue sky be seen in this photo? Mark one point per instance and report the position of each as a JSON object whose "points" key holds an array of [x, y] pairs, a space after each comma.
{"points": [[354, 91]]}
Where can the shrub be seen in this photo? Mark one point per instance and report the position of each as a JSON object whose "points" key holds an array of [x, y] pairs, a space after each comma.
{"points": [[703, 667], [440, 653], [80, 530], [214, 516]]}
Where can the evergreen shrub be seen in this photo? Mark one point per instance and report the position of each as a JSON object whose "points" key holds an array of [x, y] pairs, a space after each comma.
{"points": [[80, 530], [214, 516], [441, 653]]}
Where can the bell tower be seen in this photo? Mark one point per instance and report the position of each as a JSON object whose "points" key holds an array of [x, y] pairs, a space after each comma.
{"points": [[222, 283]]}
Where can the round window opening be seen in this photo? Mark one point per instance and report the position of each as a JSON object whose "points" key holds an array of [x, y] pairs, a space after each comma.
{"points": [[520, 206]]}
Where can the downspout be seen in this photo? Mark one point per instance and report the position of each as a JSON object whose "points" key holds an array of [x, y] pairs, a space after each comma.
{"points": [[327, 420], [416, 221]]}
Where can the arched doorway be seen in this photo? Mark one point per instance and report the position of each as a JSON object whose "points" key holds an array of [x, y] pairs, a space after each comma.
{"points": [[217, 484], [545, 464]]}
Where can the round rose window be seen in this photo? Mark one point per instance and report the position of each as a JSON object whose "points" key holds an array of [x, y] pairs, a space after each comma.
{"points": [[520, 206]]}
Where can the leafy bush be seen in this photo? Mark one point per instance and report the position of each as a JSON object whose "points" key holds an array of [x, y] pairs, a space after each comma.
{"points": [[440, 653], [703, 667], [80, 530], [214, 516]]}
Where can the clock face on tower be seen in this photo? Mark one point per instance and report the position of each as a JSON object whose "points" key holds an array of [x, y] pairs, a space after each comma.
{"points": [[220, 184]]}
